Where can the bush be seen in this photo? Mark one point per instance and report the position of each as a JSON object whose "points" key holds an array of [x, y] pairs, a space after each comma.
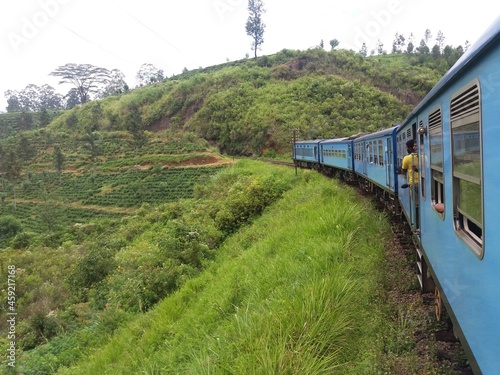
{"points": [[91, 269], [22, 240], [9, 227], [248, 198]]}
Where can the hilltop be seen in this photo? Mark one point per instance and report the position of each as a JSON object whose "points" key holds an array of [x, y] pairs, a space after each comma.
{"points": [[250, 106]]}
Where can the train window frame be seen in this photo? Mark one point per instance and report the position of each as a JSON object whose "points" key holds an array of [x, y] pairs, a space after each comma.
{"points": [[435, 126], [422, 165], [380, 153], [465, 115]]}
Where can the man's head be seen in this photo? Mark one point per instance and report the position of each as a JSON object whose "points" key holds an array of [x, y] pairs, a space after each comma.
{"points": [[410, 146]]}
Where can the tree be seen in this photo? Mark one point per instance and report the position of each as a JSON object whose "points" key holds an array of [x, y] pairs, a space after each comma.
{"points": [[86, 79], [92, 143], [58, 161], [44, 118], [72, 120], [13, 103], [380, 47], [133, 122], [436, 51], [116, 84], [410, 46], [25, 121], [10, 166], [423, 49], [25, 149], [149, 74], [255, 27], [364, 50], [72, 98], [440, 40], [33, 98], [427, 35], [334, 43], [398, 44]]}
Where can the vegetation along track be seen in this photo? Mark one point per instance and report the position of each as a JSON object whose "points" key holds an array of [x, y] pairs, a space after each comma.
{"points": [[434, 339], [415, 311]]}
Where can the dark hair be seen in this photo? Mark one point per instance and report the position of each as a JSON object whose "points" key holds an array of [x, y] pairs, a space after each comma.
{"points": [[410, 143]]}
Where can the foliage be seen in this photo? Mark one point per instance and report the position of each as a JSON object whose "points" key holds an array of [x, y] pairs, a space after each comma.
{"points": [[130, 232], [9, 227], [248, 106], [149, 74], [33, 98], [254, 26], [85, 78], [295, 299]]}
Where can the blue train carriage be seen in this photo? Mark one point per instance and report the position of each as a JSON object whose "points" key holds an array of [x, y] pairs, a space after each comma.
{"points": [[375, 164], [336, 158], [459, 210], [306, 154]]}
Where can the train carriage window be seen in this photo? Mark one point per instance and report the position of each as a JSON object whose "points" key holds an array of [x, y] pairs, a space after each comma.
{"points": [[436, 156], [422, 163], [465, 118], [380, 153]]}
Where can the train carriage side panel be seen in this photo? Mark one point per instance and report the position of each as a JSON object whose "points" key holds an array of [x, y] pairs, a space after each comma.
{"points": [[337, 153], [459, 138], [306, 153], [374, 158]]}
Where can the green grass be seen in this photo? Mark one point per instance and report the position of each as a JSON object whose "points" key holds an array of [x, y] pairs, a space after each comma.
{"points": [[296, 292]]}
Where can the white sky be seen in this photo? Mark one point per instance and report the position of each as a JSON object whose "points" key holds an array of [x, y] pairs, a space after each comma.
{"points": [[37, 36]]}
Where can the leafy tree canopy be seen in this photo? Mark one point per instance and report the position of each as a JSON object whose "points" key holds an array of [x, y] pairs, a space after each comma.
{"points": [[255, 27], [149, 74], [88, 80], [33, 98]]}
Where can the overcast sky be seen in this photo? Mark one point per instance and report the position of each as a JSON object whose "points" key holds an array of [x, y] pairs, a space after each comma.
{"points": [[37, 36]]}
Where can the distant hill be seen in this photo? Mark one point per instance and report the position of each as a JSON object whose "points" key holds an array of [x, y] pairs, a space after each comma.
{"points": [[250, 106]]}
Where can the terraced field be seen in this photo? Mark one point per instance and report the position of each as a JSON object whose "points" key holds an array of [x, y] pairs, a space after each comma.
{"points": [[120, 180]]}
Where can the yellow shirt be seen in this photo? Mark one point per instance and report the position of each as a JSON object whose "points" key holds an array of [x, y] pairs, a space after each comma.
{"points": [[408, 162]]}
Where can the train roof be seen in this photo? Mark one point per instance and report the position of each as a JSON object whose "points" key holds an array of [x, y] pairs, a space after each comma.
{"points": [[334, 140], [489, 38], [378, 134], [309, 141]]}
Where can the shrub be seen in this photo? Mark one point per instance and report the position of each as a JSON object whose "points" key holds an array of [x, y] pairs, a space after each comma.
{"points": [[248, 198], [9, 227], [90, 270], [22, 240]]}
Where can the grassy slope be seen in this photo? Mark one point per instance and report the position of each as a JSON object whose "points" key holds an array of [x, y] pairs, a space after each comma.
{"points": [[297, 292]]}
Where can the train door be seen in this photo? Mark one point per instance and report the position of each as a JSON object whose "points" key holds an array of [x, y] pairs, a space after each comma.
{"points": [[415, 191], [389, 165], [365, 151]]}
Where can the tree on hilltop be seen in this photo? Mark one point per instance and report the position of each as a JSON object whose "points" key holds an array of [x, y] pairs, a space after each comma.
{"points": [[149, 74], [255, 27], [33, 98], [87, 79], [334, 43]]}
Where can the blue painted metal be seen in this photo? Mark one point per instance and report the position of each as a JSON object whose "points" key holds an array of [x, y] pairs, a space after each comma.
{"points": [[375, 159]]}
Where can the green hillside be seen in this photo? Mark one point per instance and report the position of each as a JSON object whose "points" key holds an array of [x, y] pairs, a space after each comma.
{"points": [[128, 223], [251, 106]]}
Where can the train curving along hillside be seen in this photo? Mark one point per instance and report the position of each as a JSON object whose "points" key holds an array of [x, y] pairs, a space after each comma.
{"points": [[444, 190]]}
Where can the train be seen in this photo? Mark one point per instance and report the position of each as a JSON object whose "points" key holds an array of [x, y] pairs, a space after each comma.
{"points": [[450, 208]]}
